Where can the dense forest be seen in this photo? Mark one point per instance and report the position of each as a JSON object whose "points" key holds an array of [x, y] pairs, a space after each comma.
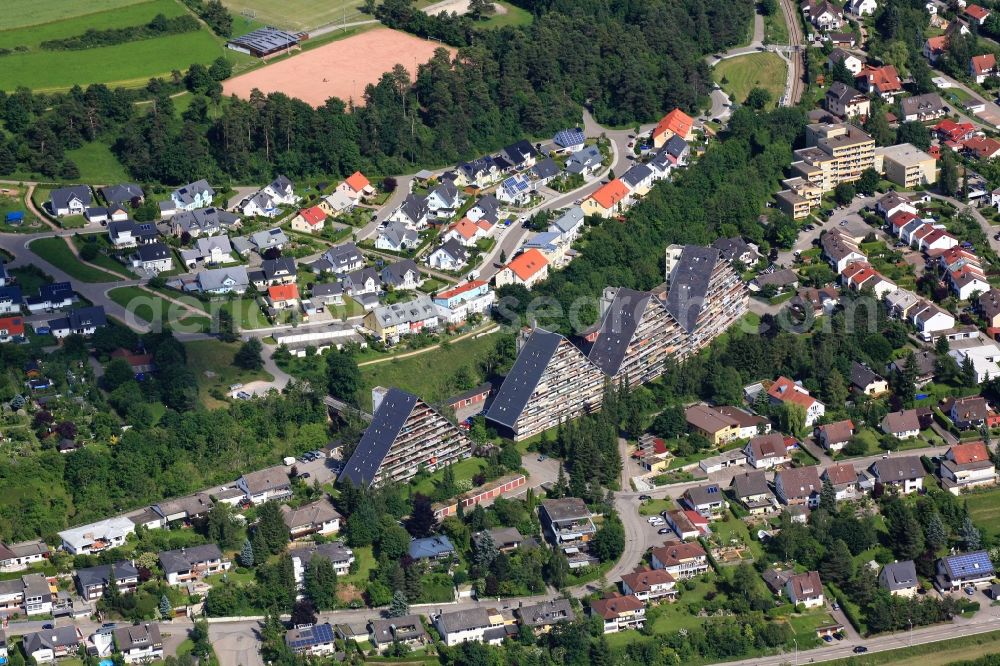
{"points": [[629, 60]]}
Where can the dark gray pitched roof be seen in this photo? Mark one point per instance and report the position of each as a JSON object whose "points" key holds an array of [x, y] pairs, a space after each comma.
{"points": [[395, 274], [617, 328], [174, 561], [898, 468], [50, 638], [122, 193], [900, 575], [271, 267], [386, 423], [153, 252], [636, 175], [61, 197], [100, 575], [520, 382], [862, 375], [547, 168], [689, 284], [749, 484], [414, 207], [676, 146], [455, 249]]}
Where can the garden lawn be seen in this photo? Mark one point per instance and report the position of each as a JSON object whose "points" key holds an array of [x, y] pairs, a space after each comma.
{"points": [[513, 16], [55, 251], [150, 307], [31, 223], [754, 70], [102, 260], [656, 507], [671, 617], [212, 364], [366, 563], [463, 469], [428, 374], [246, 313], [984, 507], [734, 528]]}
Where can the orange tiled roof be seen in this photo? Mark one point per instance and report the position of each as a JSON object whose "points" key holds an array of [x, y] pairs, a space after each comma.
{"points": [[984, 63], [525, 265], [610, 193], [977, 12], [357, 181], [313, 215], [677, 122], [283, 292], [466, 228], [786, 390], [461, 289], [13, 325], [971, 452]]}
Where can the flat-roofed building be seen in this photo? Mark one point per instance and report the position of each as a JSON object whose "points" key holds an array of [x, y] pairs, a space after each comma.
{"points": [[906, 165]]}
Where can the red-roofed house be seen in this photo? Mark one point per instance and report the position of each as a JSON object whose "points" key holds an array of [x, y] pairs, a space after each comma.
{"points": [[356, 186], [649, 584], [526, 269], [967, 466], [619, 613], [466, 232], [282, 296], [883, 81], [984, 148], [139, 362], [805, 589], [934, 47], [834, 436], [784, 390], [684, 559], [11, 329], [981, 66], [938, 239], [676, 122], [610, 199], [977, 13], [949, 130], [309, 220], [900, 220]]}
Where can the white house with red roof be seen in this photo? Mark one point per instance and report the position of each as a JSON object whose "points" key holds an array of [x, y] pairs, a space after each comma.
{"points": [[467, 232], [982, 66], [976, 13], [883, 81], [785, 391], [456, 304], [283, 296], [967, 466], [675, 123], [309, 220], [526, 269], [356, 186]]}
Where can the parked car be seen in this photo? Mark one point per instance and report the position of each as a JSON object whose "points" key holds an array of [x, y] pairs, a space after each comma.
{"points": [[645, 497], [663, 530], [828, 639], [860, 649]]}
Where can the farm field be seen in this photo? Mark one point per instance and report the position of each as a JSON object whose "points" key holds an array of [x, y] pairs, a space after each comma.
{"points": [[296, 14], [21, 13], [334, 70], [739, 75], [131, 63]]}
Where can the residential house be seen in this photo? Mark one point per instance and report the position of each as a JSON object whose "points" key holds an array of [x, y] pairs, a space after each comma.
{"points": [[396, 237], [314, 640], [309, 220], [402, 275], [737, 249], [272, 272], [685, 559], [444, 200], [392, 322], [261, 204], [708, 500], [713, 425], [883, 81], [550, 244], [21, 555], [840, 249], [10, 299], [153, 258], [982, 66], [281, 191], [38, 594], [865, 380], [482, 172], [619, 613], [212, 251], [569, 140], [585, 162], [96, 537], [449, 256], [676, 150], [976, 14], [232, 280], [798, 485], [862, 7], [92, 582], [835, 436], [846, 102], [139, 643], [282, 296], [767, 451], [269, 239], [967, 466], [852, 62], [844, 479], [892, 203], [805, 589], [331, 293], [649, 585], [72, 200], [982, 353], [544, 172], [569, 224], [638, 180], [970, 412], [340, 260], [123, 194], [543, 616], [930, 319], [434, 548], [752, 492], [566, 522], [194, 563], [337, 203], [982, 148], [405, 630], [921, 108], [989, 307], [203, 222], [675, 123], [11, 329], [317, 517], [906, 473], [904, 424], [129, 233], [520, 154], [906, 165], [479, 624], [506, 539], [526, 269], [198, 194], [955, 572], [515, 190], [784, 390], [609, 200], [339, 555], [48, 645], [466, 232], [899, 578], [455, 305], [267, 484], [82, 321], [356, 186], [823, 15]]}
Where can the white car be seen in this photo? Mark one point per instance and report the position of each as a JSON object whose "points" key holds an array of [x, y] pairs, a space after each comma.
{"points": [[654, 519]]}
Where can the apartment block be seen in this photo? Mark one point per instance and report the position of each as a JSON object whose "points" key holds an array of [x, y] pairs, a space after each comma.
{"points": [[837, 152], [906, 165], [405, 434], [799, 197]]}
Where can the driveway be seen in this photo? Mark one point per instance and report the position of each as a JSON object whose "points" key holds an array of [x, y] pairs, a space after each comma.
{"points": [[236, 644]]}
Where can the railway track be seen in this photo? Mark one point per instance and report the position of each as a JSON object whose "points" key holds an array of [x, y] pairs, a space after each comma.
{"points": [[796, 58]]}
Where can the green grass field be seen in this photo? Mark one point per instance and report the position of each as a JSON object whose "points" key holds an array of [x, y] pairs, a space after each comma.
{"points": [[57, 252], [463, 469], [149, 307], [296, 14], [98, 164], [985, 510], [755, 70], [21, 13], [775, 28], [212, 363], [102, 261], [513, 16], [428, 374], [129, 64]]}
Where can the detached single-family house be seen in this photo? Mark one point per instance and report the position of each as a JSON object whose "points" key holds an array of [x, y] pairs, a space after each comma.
{"points": [[798, 485], [785, 390], [406, 630], [649, 585], [708, 500], [526, 269], [570, 224], [413, 212], [847, 102], [190, 564], [396, 237], [19, 556], [767, 451], [123, 194], [48, 645], [752, 492], [139, 643], [609, 200], [92, 582], [402, 275], [904, 424], [585, 162], [955, 572], [232, 280], [340, 260], [356, 186], [283, 296], [198, 194], [153, 258], [844, 479], [883, 81], [865, 380], [921, 108], [675, 123], [97, 537], [479, 624], [835, 436], [267, 484], [899, 578], [543, 616], [805, 589], [906, 473], [569, 140], [314, 640], [450, 256], [82, 321], [309, 220], [11, 330], [982, 66], [72, 200], [970, 412], [444, 200], [685, 559], [619, 613], [967, 466], [317, 517]]}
